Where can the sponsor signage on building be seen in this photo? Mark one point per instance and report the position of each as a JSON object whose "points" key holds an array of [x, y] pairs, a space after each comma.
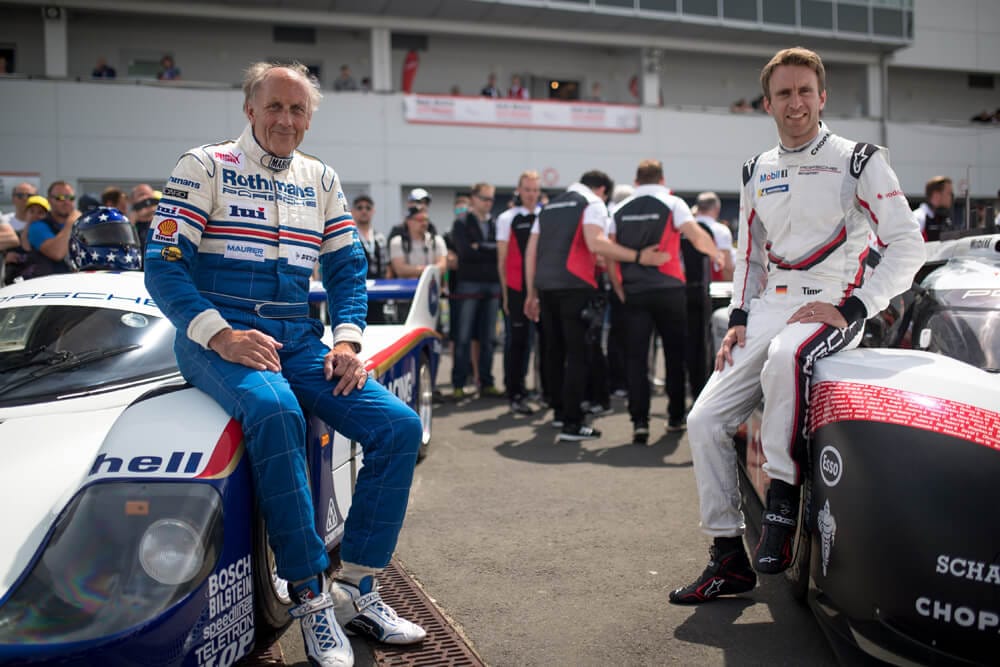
{"points": [[531, 114]]}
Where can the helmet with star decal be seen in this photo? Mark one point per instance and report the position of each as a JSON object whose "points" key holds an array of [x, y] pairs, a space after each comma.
{"points": [[105, 239]]}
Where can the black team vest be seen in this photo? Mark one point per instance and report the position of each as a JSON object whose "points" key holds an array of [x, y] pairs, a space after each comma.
{"points": [[563, 260]]}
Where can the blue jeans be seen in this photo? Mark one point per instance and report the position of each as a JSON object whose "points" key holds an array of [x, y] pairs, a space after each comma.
{"points": [[477, 318], [267, 406]]}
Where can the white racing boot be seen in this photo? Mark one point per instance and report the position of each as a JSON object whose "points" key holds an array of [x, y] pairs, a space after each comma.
{"points": [[361, 610], [324, 640]]}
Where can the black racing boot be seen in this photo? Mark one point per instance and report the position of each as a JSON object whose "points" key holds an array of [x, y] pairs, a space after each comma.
{"points": [[777, 529], [728, 572]]}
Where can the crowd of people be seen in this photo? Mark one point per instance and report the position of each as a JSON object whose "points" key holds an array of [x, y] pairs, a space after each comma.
{"points": [[35, 236], [489, 264]]}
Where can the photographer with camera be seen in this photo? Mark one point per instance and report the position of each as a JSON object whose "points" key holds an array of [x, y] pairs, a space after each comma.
{"points": [[560, 272], [654, 296]]}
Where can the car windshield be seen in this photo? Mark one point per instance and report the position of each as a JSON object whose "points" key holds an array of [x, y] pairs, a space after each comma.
{"points": [[972, 336], [59, 351]]}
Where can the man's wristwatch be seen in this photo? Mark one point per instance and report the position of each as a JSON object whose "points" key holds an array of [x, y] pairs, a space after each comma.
{"points": [[638, 254]]}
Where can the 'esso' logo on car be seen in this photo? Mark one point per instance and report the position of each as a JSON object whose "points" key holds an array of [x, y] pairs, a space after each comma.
{"points": [[831, 466]]}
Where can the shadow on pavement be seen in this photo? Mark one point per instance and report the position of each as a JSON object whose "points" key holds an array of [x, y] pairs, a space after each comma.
{"points": [[544, 448], [717, 624]]}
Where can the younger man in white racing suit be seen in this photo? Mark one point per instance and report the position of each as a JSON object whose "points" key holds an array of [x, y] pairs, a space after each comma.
{"points": [[799, 293], [229, 257]]}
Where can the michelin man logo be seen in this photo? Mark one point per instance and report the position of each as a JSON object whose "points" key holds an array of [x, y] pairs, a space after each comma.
{"points": [[827, 531]]}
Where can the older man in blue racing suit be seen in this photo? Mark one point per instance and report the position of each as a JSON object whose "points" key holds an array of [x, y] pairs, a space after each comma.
{"points": [[800, 292], [230, 253]]}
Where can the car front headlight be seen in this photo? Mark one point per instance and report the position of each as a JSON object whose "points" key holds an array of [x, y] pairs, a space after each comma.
{"points": [[119, 555], [171, 552]]}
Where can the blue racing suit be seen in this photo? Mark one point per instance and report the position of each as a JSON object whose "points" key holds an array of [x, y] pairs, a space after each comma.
{"points": [[234, 242]]}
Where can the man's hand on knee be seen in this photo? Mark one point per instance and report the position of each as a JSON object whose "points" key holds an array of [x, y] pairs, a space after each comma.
{"points": [[343, 362], [735, 336], [251, 348]]}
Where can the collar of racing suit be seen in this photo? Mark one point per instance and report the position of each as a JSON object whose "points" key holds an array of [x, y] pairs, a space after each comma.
{"points": [[811, 146], [257, 155]]}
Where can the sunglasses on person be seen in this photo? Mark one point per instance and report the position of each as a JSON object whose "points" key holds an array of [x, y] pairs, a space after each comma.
{"points": [[484, 198], [63, 197], [21, 195]]}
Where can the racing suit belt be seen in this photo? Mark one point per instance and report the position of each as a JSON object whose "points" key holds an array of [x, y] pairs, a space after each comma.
{"points": [[271, 310]]}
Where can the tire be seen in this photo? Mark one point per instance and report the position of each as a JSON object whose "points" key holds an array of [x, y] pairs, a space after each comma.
{"points": [[425, 404], [271, 598], [798, 572]]}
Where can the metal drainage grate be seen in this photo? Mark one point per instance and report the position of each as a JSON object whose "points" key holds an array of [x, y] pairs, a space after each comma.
{"points": [[442, 646]]}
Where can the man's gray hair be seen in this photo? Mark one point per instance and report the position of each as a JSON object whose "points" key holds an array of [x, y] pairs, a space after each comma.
{"points": [[707, 201], [257, 72]]}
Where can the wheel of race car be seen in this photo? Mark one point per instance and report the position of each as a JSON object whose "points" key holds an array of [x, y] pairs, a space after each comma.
{"points": [[271, 597], [425, 404], [798, 573]]}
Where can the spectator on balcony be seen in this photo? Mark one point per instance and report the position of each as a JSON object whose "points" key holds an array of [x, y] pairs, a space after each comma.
{"points": [[168, 70], [102, 70], [490, 89], [517, 91], [986, 116], [345, 81]]}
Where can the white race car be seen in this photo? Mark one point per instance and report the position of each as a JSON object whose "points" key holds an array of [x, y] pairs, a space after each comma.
{"points": [[130, 533]]}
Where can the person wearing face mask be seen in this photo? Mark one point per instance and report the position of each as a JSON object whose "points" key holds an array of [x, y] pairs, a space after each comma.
{"points": [[229, 258]]}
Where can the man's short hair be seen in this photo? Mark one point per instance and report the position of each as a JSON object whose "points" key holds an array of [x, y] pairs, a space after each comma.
{"points": [[935, 185], [529, 174], [707, 201], [257, 72], [111, 196], [796, 55], [596, 178], [361, 198], [649, 172], [479, 187], [57, 184]]}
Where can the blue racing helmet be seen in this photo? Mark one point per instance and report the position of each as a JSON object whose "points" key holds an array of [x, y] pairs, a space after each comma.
{"points": [[105, 239]]}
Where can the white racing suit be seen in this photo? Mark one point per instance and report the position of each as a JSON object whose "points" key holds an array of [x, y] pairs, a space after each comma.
{"points": [[805, 219]]}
